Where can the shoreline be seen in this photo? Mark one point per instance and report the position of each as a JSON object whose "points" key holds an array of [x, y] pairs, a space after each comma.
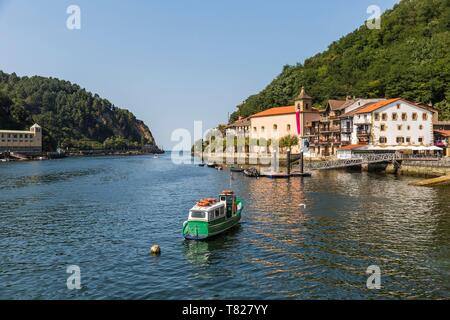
{"points": [[81, 154]]}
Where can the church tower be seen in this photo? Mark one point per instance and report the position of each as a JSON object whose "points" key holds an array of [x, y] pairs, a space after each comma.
{"points": [[303, 102]]}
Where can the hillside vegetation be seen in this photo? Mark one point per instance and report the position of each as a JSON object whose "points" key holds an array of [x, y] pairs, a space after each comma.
{"points": [[69, 115], [408, 57]]}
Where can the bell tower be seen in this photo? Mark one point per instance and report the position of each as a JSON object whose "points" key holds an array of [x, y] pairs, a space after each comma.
{"points": [[303, 102]]}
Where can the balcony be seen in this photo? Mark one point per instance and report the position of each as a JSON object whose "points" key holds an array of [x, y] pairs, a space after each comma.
{"points": [[362, 133], [346, 130], [331, 129]]}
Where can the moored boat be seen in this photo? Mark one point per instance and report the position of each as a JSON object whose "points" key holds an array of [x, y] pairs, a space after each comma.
{"points": [[236, 169], [211, 216], [251, 172], [211, 164]]}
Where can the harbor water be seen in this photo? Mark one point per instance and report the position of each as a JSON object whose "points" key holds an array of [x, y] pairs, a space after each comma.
{"points": [[311, 238]]}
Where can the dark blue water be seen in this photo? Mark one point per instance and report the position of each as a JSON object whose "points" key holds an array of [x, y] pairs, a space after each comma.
{"points": [[103, 214]]}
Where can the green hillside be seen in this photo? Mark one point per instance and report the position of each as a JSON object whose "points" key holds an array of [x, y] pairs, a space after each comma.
{"points": [[409, 58], [69, 115]]}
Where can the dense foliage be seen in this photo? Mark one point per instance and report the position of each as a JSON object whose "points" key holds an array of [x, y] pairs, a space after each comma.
{"points": [[69, 115], [408, 57]]}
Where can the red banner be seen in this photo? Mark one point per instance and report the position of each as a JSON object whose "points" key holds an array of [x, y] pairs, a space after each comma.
{"points": [[297, 116]]}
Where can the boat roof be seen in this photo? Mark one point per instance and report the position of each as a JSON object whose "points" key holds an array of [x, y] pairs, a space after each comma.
{"points": [[213, 206]]}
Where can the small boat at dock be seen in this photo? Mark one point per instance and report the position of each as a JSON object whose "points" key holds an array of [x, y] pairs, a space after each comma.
{"points": [[236, 169], [251, 172], [211, 216], [211, 164]]}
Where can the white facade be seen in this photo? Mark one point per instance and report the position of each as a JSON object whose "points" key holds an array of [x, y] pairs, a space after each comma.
{"points": [[399, 123]]}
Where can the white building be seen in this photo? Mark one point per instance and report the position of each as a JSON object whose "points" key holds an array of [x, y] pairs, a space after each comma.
{"points": [[390, 125], [394, 122], [21, 141]]}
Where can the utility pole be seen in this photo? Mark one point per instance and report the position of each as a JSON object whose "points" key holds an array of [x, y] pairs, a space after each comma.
{"points": [[302, 167], [289, 162]]}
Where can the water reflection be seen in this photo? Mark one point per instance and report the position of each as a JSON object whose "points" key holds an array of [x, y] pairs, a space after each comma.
{"points": [[105, 213], [201, 253]]}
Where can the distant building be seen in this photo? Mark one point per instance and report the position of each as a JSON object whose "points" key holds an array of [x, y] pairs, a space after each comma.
{"points": [[278, 122], [21, 141], [239, 128], [442, 136], [334, 128], [390, 125]]}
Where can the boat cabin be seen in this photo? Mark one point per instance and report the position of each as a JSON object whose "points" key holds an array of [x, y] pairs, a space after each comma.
{"points": [[211, 209]]}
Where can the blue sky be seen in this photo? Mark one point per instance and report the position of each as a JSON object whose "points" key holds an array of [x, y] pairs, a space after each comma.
{"points": [[172, 62]]}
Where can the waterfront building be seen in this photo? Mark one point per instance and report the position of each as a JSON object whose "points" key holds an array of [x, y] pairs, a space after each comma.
{"points": [[442, 140], [333, 129], [279, 122], [26, 142], [239, 128], [393, 123], [390, 125], [442, 136]]}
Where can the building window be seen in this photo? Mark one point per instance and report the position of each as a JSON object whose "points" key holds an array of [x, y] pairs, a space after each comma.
{"points": [[383, 127], [400, 140], [420, 140], [424, 117], [404, 116], [262, 129], [384, 117], [288, 127], [414, 116], [398, 106], [399, 127], [394, 116], [408, 139], [275, 127], [408, 127], [377, 116], [421, 127], [383, 140], [255, 129]]}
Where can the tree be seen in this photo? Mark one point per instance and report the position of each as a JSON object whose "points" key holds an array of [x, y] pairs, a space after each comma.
{"points": [[287, 142]]}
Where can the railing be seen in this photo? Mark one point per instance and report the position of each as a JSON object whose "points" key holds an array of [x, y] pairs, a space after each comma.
{"points": [[357, 160]]}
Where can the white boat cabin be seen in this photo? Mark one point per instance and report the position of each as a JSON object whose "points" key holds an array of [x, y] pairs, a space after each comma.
{"points": [[211, 213]]}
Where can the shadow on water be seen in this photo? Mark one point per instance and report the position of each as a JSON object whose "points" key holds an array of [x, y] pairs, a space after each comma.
{"points": [[25, 181], [202, 252]]}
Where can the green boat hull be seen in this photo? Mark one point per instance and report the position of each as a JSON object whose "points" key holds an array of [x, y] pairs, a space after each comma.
{"points": [[202, 230]]}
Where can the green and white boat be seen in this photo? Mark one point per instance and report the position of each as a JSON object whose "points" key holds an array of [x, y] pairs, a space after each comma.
{"points": [[210, 217]]}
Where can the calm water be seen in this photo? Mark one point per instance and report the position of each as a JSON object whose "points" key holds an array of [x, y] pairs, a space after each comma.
{"points": [[103, 214]]}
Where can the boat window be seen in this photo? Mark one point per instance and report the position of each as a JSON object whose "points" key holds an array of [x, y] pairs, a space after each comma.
{"points": [[211, 216], [217, 213], [222, 211], [198, 214], [222, 198]]}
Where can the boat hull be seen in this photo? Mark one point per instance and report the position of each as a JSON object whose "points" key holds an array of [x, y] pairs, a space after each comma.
{"points": [[200, 230]]}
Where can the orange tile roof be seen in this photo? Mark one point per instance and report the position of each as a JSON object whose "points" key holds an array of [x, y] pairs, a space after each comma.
{"points": [[278, 111], [377, 105], [275, 112], [352, 147], [445, 133]]}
